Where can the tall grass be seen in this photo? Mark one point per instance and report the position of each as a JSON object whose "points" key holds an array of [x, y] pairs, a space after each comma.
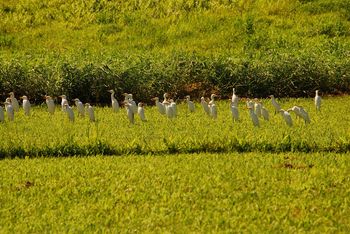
{"points": [[289, 48]]}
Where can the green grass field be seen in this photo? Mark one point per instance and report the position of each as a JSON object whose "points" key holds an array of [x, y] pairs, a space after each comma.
{"points": [[251, 192], [45, 135]]}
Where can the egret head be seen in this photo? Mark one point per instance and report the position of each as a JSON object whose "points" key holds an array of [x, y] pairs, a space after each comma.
{"points": [[110, 91], [24, 97], [8, 100], [213, 96], [63, 96], [140, 104], [12, 94], [188, 97], [155, 99]]}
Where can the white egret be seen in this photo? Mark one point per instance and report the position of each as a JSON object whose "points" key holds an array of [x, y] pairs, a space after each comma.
{"points": [[133, 103], [305, 115], [173, 105], [90, 111], [26, 105], [234, 112], [250, 103], [14, 101], [296, 110], [129, 111], [265, 113], [212, 107], [50, 104], [205, 106], [115, 104], [165, 96], [234, 99], [9, 110], [141, 111], [169, 110], [257, 107], [160, 106], [317, 101], [2, 114], [275, 104], [64, 102], [254, 117], [80, 107], [301, 113], [190, 104], [128, 98], [70, 112], [287, 117]]}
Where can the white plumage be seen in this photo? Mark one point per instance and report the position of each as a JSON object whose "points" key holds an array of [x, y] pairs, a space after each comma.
{"points": [[14, 102], [141, 111], [80, 107], [64, 102], [265, 113], [50, 104], [287, 117], [129, 112], [234, 99], [205, 106], [212, 107], [254, 117], [275, 104], [234, 112], [9, 110], [317, 101], [115, 104], [190, 104], [90, 111], [160, 106], [70, 112], [26, 105]]}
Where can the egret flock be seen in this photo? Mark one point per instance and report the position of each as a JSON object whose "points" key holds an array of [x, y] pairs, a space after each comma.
{"points": [[167, 107]]}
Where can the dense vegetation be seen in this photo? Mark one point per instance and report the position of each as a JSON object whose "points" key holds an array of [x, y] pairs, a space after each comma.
{"points": [[289, 48], [254, 193]]}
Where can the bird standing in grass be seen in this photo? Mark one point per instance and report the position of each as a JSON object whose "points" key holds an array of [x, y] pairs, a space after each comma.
{"points": [[275, 104], [169, 110], [141, 111], [160, 106], [300, 112], [234, 99], [257, 107], [115, 104], [234, 112], [129, 112], [90, 111], [287, 117], [50, 104], [80, 107], [265, 113], [70, 112], [64, 102], [253, 117], [2, 114], [205, 106], [9, 110], [14, 102], [190, 104], [212, 107], [317, 101], [26, 105]]}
